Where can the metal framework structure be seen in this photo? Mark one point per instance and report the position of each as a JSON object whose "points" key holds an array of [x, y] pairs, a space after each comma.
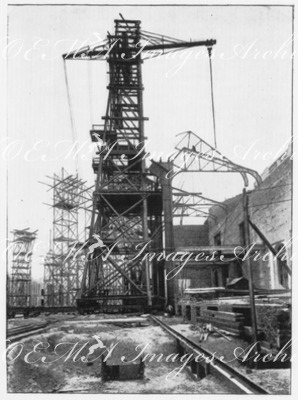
{"points": [[64, 263], [20, 280], [128, 197], [186, 204], [196, 155]]}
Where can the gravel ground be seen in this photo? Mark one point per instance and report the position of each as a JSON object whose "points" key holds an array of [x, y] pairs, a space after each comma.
{"points": [[63, 375], [66, 375], [275, 381]]}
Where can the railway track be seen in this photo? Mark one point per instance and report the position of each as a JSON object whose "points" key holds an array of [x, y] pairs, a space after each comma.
{"points": [[21, 332], [232, 378], [232, 381]]}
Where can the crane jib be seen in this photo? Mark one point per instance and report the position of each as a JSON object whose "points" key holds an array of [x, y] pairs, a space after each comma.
{"points": [[88, 53]]}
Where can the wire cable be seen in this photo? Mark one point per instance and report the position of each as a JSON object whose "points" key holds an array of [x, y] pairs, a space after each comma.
{"points": [[212, 95], [72, 123], [90, 92]]}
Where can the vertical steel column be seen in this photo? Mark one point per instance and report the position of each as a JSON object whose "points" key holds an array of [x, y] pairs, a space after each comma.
{"points": [[163, 171], [250, 272]]}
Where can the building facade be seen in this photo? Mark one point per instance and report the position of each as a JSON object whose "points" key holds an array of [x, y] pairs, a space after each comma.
{"points": [[270, 209]]}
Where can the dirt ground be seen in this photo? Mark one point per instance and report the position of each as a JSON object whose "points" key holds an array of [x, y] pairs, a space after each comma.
{"points": [[275, 381], [47, 372]]}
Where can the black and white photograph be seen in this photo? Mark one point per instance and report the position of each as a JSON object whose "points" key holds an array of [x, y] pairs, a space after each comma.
{"points": [[148, 205]]}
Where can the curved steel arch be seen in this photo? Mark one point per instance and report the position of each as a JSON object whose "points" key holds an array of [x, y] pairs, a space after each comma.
{"points": [[199, 156]]}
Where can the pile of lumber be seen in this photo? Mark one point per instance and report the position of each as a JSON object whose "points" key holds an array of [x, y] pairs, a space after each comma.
{"points": [[228, 321]]}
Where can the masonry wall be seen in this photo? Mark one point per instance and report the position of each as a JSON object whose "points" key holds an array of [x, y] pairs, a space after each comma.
{"points": [[191, 235], [200, 277], [190, 275], [270, 210]]}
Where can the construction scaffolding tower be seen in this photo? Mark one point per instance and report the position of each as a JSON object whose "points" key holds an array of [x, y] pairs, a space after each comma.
{"points": [[20, 279], [64, 263], [129, 198]]}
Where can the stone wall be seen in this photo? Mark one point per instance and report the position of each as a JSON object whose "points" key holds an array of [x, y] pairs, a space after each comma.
{"points": [[270, 210], [191, 275], [191, 235]]}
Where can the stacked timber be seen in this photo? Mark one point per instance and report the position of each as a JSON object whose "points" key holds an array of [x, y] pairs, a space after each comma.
{"points": [[228, 321]]}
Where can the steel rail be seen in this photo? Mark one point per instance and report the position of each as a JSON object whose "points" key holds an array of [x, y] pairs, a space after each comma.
{"points": [[21, 332], [234, 379], [13, 336], [24, 329]]}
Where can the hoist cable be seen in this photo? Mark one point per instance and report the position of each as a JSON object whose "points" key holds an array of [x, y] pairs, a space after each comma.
{"points": [[212, 95], [73, 129], [90, 92]]}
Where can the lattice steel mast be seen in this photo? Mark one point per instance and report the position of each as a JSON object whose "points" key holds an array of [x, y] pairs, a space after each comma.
{"points": [[127, 201]]}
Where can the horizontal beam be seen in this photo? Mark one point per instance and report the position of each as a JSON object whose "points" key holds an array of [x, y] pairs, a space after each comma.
{"points": [[88, 54]]}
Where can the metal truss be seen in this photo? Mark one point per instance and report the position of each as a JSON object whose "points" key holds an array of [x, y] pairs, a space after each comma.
{"points": [[128, 198], [126, 195], [196, 155], [186, 204], [147, 44], [20, 280], [64, 263]]}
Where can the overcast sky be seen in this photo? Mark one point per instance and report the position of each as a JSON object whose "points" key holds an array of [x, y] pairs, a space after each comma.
{"points": [[252, 92]]}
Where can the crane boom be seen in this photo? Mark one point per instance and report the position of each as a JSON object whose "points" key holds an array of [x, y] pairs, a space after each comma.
{"points": [[118, 46]]}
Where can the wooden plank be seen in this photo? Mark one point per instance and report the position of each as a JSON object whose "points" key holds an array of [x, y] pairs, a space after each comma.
{"points": [[224, 321], [225, 326], [224, 315]]}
